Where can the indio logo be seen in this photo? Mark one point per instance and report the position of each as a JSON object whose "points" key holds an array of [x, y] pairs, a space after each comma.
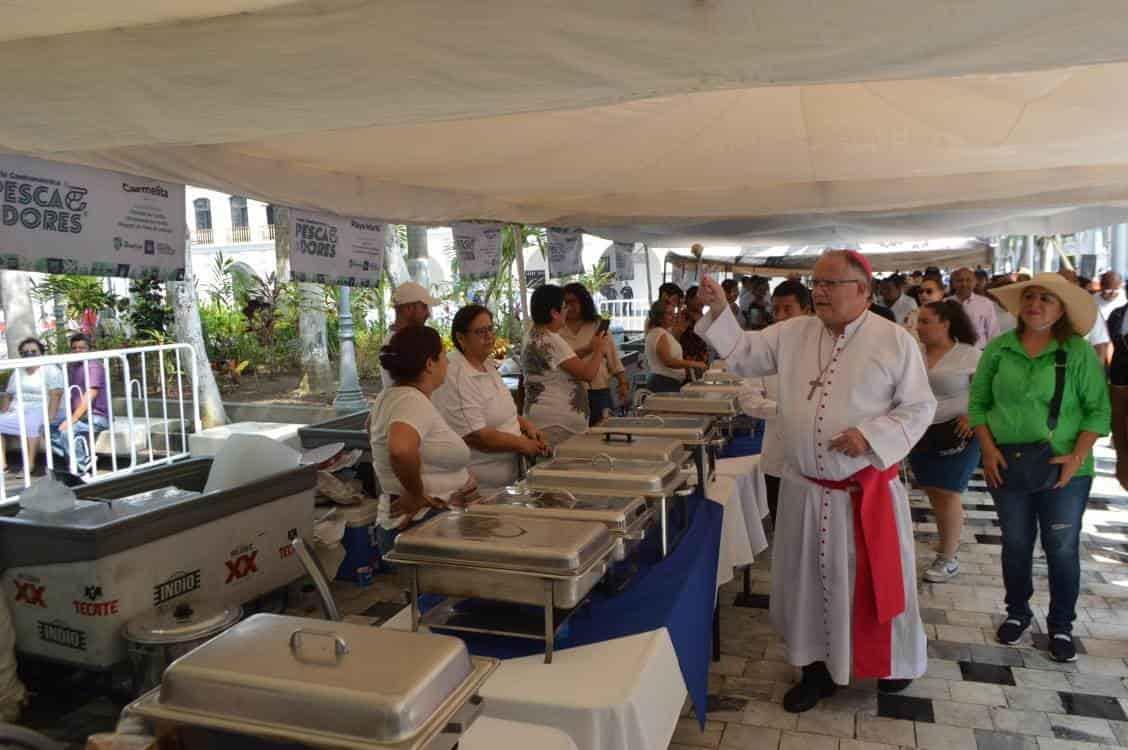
{"points": [[178, 585], [60, 634]]}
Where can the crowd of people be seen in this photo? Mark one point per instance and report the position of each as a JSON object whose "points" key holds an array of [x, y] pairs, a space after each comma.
{"points": [[853, 376]]}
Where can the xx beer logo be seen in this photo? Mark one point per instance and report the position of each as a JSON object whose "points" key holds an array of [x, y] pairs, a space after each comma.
{"points": [[59, 634], [179, 584], [241, 563], [30, 594]]}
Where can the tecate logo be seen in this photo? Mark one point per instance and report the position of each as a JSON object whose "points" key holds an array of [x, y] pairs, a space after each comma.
{"points": [[59, 634], [178, 585]]}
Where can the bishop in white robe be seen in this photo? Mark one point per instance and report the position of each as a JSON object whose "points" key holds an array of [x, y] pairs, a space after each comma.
{"points": [[853, 399]]}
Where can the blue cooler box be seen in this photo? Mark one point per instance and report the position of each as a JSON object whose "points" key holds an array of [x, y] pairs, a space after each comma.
{"points": [[359, 540]]}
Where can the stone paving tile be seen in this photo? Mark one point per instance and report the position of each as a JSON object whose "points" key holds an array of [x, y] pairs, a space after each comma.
{"points": [[769, 714], [1000, 741], [688, 732], [823, 721], [1021, 722], [863, 745], [941, 737], [891, 731], [1081, 728], [798, 741], [977, 692], [962, 715], [744, 737]]}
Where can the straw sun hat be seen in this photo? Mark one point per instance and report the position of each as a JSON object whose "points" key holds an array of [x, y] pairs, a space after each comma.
{"points": [[1079, 304]]}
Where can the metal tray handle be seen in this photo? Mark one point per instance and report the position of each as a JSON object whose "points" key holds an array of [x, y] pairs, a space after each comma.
{"points": [[317, 646], [603, 457]]}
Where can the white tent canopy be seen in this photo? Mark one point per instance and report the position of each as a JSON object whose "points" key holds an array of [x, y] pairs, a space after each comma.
{"points": [[661, 122]]}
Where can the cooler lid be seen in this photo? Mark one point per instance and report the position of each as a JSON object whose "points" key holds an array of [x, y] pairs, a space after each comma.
{"points": [[187, 621]]}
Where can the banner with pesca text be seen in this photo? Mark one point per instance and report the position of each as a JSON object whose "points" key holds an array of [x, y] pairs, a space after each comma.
{"points": [[63, 218], [330, 249]]}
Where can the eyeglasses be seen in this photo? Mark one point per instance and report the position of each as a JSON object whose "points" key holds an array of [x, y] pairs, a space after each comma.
{"points": [[483, 332], [29, 353], [829, 284]]}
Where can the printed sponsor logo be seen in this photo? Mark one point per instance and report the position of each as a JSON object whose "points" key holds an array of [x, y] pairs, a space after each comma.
{"points": [[316, 238], [27, 592], [156, 190], [285, 551], [179, 584], [366, 226], [93, 606], [46, 207], [60, 634], [242, 563]]}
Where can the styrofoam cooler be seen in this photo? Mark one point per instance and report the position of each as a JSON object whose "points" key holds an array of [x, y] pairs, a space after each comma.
{"points": [[359, 540], [73, 583]]}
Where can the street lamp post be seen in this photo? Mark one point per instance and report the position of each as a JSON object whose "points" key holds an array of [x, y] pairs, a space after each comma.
{"points": [[349, 396]]}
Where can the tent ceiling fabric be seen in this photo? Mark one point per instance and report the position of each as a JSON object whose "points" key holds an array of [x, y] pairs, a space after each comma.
{"points": [[695, 119]]}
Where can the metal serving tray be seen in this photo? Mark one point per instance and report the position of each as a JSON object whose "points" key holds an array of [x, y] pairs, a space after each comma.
{"points": [[348, 429], [705, 386], [590, 445], [694, 402], [527, 545], [605, 475], [689, 430], [627, 518], [322, 684]]}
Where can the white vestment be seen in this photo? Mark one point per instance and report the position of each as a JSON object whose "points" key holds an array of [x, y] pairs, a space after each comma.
{"points": [[873, 378]]}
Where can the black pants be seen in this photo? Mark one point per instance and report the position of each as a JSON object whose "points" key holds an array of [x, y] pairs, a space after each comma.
{"points": [[772, 483]]}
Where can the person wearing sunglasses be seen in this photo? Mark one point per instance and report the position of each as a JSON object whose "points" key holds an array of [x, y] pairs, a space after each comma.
{"points": [[930, 290], [477, 405], [36, 385]]}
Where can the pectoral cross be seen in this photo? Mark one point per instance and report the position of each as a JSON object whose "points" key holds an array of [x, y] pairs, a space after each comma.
{"points": [[815, 384]]}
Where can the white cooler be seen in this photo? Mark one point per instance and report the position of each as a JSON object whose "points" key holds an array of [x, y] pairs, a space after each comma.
{"points": [[72, 579]]}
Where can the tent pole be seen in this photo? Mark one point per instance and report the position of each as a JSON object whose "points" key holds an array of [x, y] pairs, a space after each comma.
{"points": [[519, 244], [649, 289]]}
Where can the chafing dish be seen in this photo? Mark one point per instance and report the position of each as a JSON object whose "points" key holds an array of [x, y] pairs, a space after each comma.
{"points": [[624, 446], [698, 433], [724, 388], [539, 561], [691, 402], [627, 518], [319, 684], [348, 429], [720, 376], [658, 481]]}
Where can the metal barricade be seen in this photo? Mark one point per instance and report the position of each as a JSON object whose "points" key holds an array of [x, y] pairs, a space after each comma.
{"points": [[153, 383]]}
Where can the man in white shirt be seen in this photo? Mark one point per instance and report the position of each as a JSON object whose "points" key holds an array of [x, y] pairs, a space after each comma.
{"points": [[979, 309], [1110, 297], [413, 307], [892, 294]]}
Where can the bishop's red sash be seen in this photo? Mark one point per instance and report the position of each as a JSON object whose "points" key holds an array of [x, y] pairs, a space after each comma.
{"points": [[879, 585]]}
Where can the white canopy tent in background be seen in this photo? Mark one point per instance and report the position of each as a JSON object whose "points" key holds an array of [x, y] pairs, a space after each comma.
{"points": [[662, 122], [884, 257]]}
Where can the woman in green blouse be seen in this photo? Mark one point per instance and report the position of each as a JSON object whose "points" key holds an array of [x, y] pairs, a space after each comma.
{"points": [[1010, 404]]}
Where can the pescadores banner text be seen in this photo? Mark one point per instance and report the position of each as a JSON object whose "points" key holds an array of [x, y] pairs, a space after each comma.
{"points": [[478, 247], [330, 249], [62, 218]]}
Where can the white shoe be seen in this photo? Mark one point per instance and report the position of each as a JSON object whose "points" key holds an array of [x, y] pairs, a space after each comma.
{"points": [[942, 569]]}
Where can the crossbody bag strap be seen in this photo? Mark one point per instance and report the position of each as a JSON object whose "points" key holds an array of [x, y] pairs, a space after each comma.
{"points": [[1060, 360]]}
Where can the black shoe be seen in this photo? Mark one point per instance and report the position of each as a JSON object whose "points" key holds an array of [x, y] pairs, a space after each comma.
{"points": [[1011, 631], [892, 686], [1062, 648], [815, 685]]}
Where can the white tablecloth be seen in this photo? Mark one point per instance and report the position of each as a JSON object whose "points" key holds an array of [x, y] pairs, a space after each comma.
{"points": [[739, 486], [488, 733], [622, 694], [752, 493]]}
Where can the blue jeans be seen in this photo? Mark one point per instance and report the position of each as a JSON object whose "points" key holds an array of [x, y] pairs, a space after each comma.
{"points": [[60, 442], [1057, 514], [599, 399]]}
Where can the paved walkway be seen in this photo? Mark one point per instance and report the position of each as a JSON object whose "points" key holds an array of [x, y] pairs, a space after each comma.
{"points": [[976, 695]]}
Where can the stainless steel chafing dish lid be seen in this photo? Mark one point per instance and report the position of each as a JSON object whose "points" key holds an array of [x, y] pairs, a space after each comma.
{"points": [[718, 377], [619, 514], [320, 683], [603, 475], [684, 428], [534, 545], [641, 447], [692, 402], [706, 386]]}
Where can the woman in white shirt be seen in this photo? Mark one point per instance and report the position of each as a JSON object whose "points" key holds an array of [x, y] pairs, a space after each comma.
{"points": [[419, 461], [581, 322], [477, 405], [946, 456], [555, 397], [664, 354], [36, 384]]}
